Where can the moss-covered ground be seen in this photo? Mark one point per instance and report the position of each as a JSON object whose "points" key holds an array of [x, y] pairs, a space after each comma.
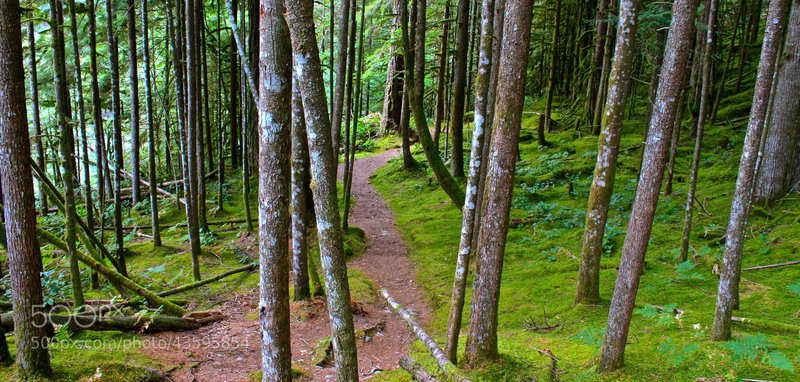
{"points": [[543, 255]]}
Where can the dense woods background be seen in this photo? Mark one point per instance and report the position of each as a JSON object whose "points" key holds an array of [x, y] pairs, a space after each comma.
{"points": [[589, 189]]}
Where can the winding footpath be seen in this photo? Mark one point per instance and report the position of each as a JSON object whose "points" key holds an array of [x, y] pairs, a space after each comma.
{"points": [[229, 350]]}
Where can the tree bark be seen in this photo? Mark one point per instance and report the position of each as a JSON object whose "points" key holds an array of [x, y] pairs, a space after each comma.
{"points": [[441, 77], [341, 70], [647, 193], [151, 135], [393, 93], [551, 81], [233, 111], [116, 103], [482, 340], [275, 125], [300, 184], [37, 125], [190, 133], [24, 259], [728, 292], [459, 88], [468, 219], [588, 290], [133, 78], [323, 171], [66, 144], [774, 173]]}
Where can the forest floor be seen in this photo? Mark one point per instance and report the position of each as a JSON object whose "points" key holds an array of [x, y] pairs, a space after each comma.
{"points": [[229, 350]]}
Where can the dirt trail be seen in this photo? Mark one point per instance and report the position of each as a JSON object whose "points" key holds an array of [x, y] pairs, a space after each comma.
{"points": [[230, 350]]}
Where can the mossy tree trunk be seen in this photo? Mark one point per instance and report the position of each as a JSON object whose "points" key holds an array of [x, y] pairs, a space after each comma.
{"points": [[24, 259], [647, 192], [300, 184], [728, 292], [482, 340], [116, 106], [151, 135], [459, 88], [588, 290]]}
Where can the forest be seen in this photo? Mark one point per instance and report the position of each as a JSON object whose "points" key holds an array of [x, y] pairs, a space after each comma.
{"points": [[399, 190]]}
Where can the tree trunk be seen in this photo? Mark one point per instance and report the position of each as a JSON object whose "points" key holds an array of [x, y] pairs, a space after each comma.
{"points": [[190, 132], [66, 144], [37, 125], [597, 61], [774, 175], [275, 125], [415, 87], [341, 70], [151, 135], [588, 290], [459, 87], [551, 81], [441, 77], [705, 98], [468, 219], [351, 161], [728, 292], [24, 259], [116, 103], [323, 171], [101, 159], [300, 184], [133, 77], [482, 341], [393, 93], [676, 60]]}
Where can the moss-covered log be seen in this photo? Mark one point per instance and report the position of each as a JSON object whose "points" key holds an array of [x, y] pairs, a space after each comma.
{"points": [[123, 324]]}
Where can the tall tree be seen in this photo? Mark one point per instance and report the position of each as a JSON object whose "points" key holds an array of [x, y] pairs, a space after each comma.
{"points": [[24, 259], [66, 144], [415, 87], [37, 124], [133, 78], [151, 134], [774, 172], [308, 68], [393, 93], [116, 107], [275, 119], [441, 76], [705, 98], [341, 70], [605, 170], [482, 341], [728, 292], [300, 208], [190, 132], [459, 88], [468, 218], [233, 111], [551, 81], [676, 59], [101, 159]]}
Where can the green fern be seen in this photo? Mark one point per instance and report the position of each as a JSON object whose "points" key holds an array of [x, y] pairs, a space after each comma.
{"points": [[750, 347], [794, 288]]}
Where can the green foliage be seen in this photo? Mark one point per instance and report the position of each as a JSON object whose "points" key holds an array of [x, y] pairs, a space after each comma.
{"points": [[591, 336], [685, 271], [752, 347], [676, 355], [664, 316], [794, 288]]}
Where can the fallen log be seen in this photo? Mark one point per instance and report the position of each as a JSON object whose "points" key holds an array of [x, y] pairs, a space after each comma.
{"points": [[114, 277], [417, 372], [123, 324], [159, 189], [246, 268], [450, 371], [771, 266]]}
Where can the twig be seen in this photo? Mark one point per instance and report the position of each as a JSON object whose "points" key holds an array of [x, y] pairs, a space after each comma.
{"points": [[771, 266]]}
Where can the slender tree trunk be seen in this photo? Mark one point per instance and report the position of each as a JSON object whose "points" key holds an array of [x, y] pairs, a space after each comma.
{"points": [[705, 98], [151, 135], [300, 183], [644, 205], [588, 290], [341, 70], [348, 175], [101, 159], [275, 125], [202, 119], [323, 171], [349, 102], [441, 77], [468, 219], [482, 341], [233, 112], [774, 174], [133, 76], [37, 124], [66, 144], [459, 87], [116, 103], [220, 128], [728, 292], [597, 62], [190, 133], [251, 110], [415, 86], [393, 93], [551, 81], [24, 259]]}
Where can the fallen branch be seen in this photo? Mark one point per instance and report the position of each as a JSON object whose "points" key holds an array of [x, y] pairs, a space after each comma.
{"points": [[167, 226], [171, 182], [771, 266], [116, 278], [546, 327], [246, 268], [451, 372], [124, 324], [159, 189], [417, 372]]}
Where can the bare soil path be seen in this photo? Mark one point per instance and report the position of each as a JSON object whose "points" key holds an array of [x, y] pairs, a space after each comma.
{"points": [[229, 350]]}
